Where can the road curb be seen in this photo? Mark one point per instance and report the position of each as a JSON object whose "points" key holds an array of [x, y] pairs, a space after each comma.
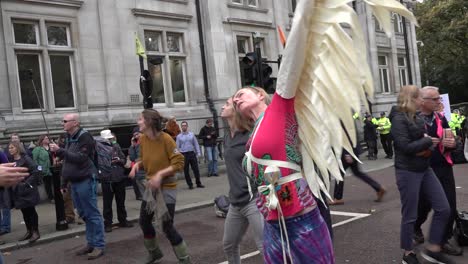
{"points": [[80, 229]]}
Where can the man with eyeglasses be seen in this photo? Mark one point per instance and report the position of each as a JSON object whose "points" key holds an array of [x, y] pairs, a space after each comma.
{"points": [[79, 159], [438, 129]]}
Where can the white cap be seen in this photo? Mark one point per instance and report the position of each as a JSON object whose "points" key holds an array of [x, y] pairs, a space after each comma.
{"points": [[106, 134]]}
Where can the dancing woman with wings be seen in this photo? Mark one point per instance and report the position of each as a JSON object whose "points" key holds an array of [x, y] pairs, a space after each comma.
{"points": [[323, 78]]}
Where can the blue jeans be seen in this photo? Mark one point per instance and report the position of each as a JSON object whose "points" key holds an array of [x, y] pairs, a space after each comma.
{"points": [[5, 222], [85, 201], [212, 154]]}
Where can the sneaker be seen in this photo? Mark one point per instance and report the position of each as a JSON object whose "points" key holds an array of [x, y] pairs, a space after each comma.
{"points": [[83, 251], [96, 253], [410, 259], [451, 249], [108, 228], [215, 174], [418, 237], [436, 257], [126, 224], [200, 186]]}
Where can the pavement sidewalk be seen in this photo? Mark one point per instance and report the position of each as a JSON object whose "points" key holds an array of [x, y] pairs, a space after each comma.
{"points": [[186, 200]]}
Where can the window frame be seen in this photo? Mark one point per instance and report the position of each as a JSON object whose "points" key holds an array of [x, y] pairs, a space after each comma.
{"points": [[246, 3], [402, 68], [41, 74], [67, 27], [44, 51], [396, 18], [384, 69], [25, 21], [72, 70], [166, 56]]}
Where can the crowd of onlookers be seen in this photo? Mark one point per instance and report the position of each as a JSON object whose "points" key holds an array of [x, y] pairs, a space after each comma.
{"points": [[45, 168]]}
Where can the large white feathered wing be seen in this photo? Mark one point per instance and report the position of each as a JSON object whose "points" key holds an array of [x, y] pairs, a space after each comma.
{"points": [[325, 67]]}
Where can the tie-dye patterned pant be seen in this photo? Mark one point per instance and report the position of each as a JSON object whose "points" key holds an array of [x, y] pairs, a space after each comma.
{"points": [[309, 240]]}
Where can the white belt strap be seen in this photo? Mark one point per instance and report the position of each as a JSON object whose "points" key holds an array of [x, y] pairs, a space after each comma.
{"points": [[272, 175]]}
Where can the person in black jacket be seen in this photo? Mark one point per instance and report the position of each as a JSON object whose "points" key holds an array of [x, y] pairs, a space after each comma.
{"points": [[349, 162], [25, 193], [370, 136], [441, 163], [414, 177], [209, 135], [114, 185], [79, 159]]}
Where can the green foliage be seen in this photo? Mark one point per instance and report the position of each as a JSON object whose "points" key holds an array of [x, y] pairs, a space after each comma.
{"points": [[443, 28]]}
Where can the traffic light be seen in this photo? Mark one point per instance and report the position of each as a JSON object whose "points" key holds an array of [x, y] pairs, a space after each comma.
{"points": [[258, 73], [146, 88], [268, 82], [249, 69]]}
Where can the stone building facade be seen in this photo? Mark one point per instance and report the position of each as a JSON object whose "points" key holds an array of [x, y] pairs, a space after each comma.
{"points": [[81, 54]]}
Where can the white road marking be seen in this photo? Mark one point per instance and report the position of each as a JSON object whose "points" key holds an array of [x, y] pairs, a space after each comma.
{"points": [[355, 216], [249, 255]]}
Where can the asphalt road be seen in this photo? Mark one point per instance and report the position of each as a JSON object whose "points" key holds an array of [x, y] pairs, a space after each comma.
{"points": [[359, 238]]}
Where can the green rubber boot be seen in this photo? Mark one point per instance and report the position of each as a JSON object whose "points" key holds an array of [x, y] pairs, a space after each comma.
{"points": [[155, 254], [181, 253]]}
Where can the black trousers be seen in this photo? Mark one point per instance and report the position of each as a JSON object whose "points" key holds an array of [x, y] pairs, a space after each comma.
{"points": [[372, 147], [387, 141], [31, 219], [109, 190], [325, 212], [445, 176], [191, 160], [146, 225], [136, 190], [48, 182], [339, 186], [58, 198]]}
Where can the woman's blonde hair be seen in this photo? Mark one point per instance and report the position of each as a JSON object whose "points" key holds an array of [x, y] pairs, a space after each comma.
{"points": [[241, 122], [406, 100], [259, 90]]}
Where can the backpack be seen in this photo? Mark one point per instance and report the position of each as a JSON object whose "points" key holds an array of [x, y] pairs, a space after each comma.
{"points": [[461, 230], [104, 153], [221, 205]]}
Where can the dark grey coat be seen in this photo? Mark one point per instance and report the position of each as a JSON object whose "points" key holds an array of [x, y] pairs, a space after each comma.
{"points": [[25, 194], [409, 140]]}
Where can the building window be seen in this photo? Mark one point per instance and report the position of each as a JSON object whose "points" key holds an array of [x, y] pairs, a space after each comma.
{"points": [[61, 87], [167, 66], [397, 23], [26, 33], [62, 82], [153, 40], [244, 46], [402, 70], [377, 25], [383, 74], [30, 91], [174, 42], [251, 3], [58, 35]]}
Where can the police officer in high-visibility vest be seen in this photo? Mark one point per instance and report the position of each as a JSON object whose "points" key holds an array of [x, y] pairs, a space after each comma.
{"points": [[383, 126], [456, 121]]}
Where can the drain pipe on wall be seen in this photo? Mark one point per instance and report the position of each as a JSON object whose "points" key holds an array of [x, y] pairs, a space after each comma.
{"points": [[209, 100]]}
